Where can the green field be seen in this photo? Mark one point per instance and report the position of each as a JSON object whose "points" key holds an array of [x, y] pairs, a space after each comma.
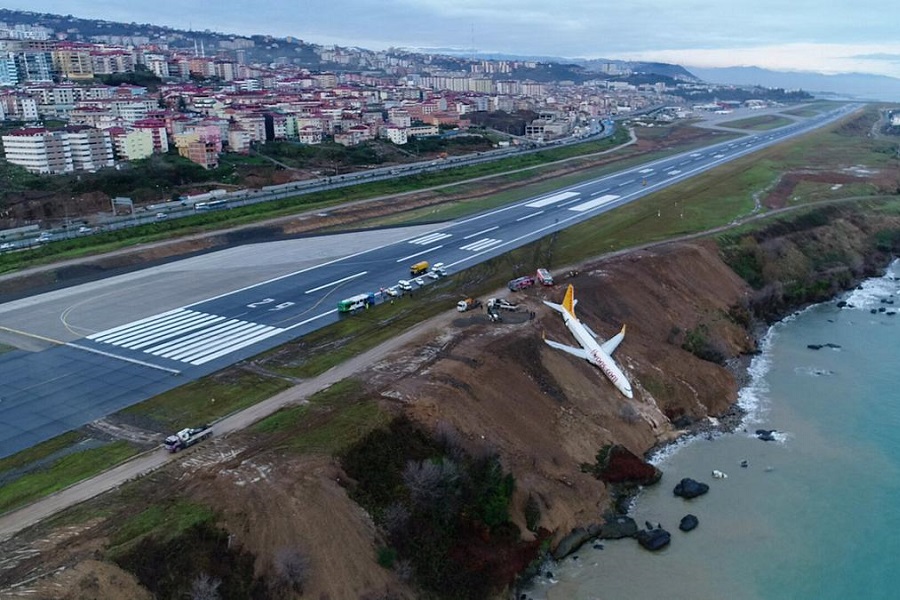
{"points": [[61, 473], [204, 400], [331, 421], [760, 123]]}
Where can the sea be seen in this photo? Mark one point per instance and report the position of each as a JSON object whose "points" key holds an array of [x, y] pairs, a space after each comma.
{"points": [[815, 514]]}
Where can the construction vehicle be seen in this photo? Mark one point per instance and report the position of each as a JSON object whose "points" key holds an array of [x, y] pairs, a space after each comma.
{"points": [[501, 303], [187, 438], [419, 268], [467, 304], [544, 277], [520, 283]]}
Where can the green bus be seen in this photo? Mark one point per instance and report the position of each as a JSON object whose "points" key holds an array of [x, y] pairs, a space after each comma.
{"points": [[356, 302]]}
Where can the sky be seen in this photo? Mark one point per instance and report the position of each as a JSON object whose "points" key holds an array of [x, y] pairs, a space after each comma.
{"points": [[826, 36]]}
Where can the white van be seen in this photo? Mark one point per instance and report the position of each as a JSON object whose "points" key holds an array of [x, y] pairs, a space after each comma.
{"points": [[404, 285]]}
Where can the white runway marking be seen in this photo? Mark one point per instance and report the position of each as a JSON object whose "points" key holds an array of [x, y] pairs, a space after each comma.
{"points": [[542, 202], [594, 203], [327, 285], [481, 244], [186, 335], [405, 258], [427, 239], [482, 232], [540, 212]]}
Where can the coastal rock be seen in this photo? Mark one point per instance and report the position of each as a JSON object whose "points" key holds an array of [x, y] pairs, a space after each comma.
{"points": [[575, 540], [688, 488], [655, 539], [618, 528], [688, 523], [766, 435], [617, 464], [841, 304]]}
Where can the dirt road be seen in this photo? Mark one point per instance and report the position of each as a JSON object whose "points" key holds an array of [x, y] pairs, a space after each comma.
{"points": [[13, 522]]}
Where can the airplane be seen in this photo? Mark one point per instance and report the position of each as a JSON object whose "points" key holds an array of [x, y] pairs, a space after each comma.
{"points": [[598, 354]]}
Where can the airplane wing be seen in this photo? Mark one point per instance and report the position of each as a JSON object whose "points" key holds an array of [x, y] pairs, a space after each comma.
{"points": [[590, 331], [610, 345], [579, 352]]}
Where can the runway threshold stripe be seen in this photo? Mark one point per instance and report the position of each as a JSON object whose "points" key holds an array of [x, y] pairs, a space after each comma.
{"points": [[594, 203], [180, 343], [174, 332], [542, 202], [131, 329], [243, 344], [131, 324], [217, 342]]}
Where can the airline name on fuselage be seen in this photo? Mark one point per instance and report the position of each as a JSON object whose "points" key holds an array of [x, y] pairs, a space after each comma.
{"points": [[598, 360]]}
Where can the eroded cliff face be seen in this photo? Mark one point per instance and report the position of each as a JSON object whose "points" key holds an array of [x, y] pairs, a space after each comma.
{"points": [[547, 413]]}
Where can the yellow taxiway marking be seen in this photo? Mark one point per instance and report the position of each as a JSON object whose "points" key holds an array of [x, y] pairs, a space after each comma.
{"points": [[33, 335]]}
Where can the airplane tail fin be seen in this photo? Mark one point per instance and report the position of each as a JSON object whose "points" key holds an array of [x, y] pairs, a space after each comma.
{"points": [[568, 302]]}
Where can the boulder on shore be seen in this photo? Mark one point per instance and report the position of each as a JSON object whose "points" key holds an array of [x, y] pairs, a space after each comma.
{"points": [[687, 488], [688, 522], [574, 541], [618, 527], [617, 464], [654, 539]]}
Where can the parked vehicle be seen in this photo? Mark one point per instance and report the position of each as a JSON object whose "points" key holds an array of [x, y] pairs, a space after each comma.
{"points": [[392, 291], [404, 285], [520, 283], [356, 302], [419, 268], [501, 303], [187, 438], [544, 277], [467, 304]]}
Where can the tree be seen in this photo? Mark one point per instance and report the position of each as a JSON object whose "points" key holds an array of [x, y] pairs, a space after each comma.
{"points": [[292, 569], [205, 587]]}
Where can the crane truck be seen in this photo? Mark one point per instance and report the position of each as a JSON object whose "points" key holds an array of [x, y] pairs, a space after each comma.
{"points": [[187, 438]]}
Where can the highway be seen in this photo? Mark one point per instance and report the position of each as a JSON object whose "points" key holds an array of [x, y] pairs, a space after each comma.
{"points": [[98, 370]]}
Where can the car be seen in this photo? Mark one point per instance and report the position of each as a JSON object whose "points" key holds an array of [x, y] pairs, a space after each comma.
{"points": [[161, 216], [44, 237], [392, 291], [6, 246], [84, 229], [419, 281], [434, 274]]}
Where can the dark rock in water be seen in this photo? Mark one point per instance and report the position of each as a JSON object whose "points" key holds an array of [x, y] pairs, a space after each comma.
{"points": [[814, 346], [874, 311], [841, 304], [688, 523], [830, 345], [617, 464], [890, 313], [618, 528], [687, 488], [654, 540], [549, 574], [745, 464], [574, 541], [598, 546], [881, 309], [649, 525], [766, 435]]}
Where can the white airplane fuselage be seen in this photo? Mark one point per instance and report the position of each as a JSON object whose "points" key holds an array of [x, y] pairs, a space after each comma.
{"points": [[596, 356]]}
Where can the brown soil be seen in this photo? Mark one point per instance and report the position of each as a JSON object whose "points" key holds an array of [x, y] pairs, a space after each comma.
{"points": [[780, 195], [543, 411]]}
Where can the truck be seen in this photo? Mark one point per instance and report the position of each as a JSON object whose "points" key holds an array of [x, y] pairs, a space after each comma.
{"points": [[520, 283], [501, 303], [419, 268], [187, 438], [544, 277], [467, 304]]}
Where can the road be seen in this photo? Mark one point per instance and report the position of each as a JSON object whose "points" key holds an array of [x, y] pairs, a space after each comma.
{"points": [[115, 360]]}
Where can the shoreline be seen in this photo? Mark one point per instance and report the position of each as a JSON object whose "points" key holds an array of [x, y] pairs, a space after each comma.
{"points": [[710, 428]]}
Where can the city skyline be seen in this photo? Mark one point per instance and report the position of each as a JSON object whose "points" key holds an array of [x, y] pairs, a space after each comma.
{"points": [[826, 37]]}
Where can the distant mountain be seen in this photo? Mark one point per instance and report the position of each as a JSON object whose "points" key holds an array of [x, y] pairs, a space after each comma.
{"points": [[651, 68], [849, 85]]}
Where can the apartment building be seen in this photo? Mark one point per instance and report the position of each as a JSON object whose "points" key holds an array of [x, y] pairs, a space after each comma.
{"points": [[51, 152]]}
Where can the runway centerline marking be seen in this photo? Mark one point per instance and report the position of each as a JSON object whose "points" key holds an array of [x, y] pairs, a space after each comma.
{"points": [[405, 258], [483, 231]]}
